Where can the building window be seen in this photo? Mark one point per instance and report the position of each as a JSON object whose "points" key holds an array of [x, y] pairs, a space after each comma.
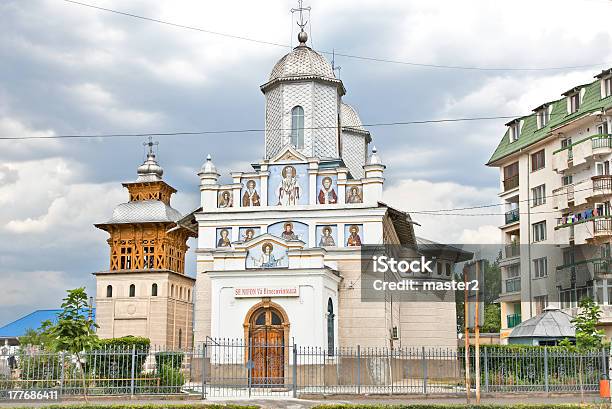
{"points": [[180, 340], [126, 258], [515, 131], [543, 116], [448, 270], [109, 291], [149, 256], [154, 290], [172, 291], [541, 302], [607, 87], [538, 194], [297, 127], [540, 267], [574, 100], [537, 160], [539, 231], [132, 290], [330, 327], [511, 176], [602, 168], [602, 128], [567, 180], [188, 295], [439, 268]]}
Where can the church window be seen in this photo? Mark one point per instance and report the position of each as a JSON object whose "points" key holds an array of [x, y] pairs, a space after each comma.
{"points": [[109, 291], [330, 327], [148, 256], [261, 319], [126, 258], [276, 320], [180, 341], [172, 290], [448, 270], [188, 295], [132, 290], [297, 127], [154, 290]]}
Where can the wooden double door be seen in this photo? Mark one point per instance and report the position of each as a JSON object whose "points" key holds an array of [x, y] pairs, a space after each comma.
{"points": [[267, 348]]}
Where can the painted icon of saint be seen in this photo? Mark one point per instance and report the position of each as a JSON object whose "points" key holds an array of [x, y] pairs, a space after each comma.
{"points": [[225, 199], [327, 194], [354, 239], [289, 189], [326, 239], [354, 195], [250, 196], [288, 233], [267, 259], [224, 240], [248, 235]]}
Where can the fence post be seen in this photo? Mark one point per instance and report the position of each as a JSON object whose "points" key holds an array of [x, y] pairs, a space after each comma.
{"points": [[295, 358], [62, 374], [132, 384], [358, 370], [424, 363], [546, 369], [486, 369], [204, 371]]}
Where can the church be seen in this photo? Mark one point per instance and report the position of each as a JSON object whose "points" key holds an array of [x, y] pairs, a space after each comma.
{"points": [[279, 248]]}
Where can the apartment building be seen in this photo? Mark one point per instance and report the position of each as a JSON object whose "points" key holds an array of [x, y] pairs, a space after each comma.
{"points": [[556, 187]]}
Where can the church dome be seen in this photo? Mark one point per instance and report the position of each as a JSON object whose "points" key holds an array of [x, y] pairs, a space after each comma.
{"points": [[144, 211], [150, 170], [349, 117], [302, 61]]}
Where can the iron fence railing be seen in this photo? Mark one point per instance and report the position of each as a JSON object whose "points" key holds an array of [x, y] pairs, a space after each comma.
{"points": [[232, 368]]}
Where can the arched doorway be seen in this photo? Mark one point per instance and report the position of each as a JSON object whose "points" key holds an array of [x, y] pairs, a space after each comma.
{"points": [[267, 332]]}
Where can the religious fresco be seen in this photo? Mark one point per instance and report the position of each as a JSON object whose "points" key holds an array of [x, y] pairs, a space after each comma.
{"points": [[248, 233], [226, 199], [224, 237], [354, 194], [353, 234], [289, 230], [327, 188], [267, 255], [288, 185], [250, 194], [327, 236]]}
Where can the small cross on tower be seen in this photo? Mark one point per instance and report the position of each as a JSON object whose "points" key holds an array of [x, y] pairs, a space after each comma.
{"points": [[150, 144], [302, 36]]}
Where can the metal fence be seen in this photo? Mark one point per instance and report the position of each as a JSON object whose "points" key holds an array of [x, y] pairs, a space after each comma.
{"points": [[233, 368]]}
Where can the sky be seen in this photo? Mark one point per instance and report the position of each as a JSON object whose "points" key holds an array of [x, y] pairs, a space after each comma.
{"points": [[70, 69]]}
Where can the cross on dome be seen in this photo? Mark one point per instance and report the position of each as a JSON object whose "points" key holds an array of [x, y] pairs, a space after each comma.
{"points": [[302, 36]]}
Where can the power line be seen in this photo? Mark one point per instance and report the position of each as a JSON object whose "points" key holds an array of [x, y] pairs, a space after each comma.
{"points": [[353, 56], [251, 130]]}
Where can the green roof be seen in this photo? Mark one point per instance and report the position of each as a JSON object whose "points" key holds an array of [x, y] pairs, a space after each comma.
{"points": [[529, 133]]}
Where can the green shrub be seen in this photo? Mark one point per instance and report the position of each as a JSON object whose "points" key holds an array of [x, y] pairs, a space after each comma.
{"points": [[456, 406], [172, 359], [169, 376]]}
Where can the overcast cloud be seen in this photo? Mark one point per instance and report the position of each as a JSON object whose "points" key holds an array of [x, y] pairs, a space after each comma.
{"points": [[68, 69]]}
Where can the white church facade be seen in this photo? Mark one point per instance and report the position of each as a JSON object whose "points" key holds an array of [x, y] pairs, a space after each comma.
{"points": [[279, 248]]}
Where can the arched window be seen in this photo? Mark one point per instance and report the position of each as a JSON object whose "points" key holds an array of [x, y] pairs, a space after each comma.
{"points": [[188, 295], [330, 327], [448, 269], [154, 290], [180, 293], [297, 127], [109, 291], [172, 290], [132, 290], [180, 343]]}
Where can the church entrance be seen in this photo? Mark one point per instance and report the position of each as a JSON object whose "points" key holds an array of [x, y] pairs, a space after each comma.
{"points": [[267, 348]]}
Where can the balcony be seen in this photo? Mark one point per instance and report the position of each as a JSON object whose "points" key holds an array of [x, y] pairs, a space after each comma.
{"points": [[511, 183], [602, 185], [513, 320], [512, 250], [601, 142], [513, 285], [512, 216], [602, 227]]}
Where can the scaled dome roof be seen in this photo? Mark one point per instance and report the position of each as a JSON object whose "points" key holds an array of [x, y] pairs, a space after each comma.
{"points": [[302, 61]]}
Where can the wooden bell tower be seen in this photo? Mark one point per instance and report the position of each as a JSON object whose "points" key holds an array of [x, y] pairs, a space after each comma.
{"points": [[145, 291]]}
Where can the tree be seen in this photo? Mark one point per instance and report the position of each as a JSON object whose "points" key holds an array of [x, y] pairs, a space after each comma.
{"points": [[492, 319], [41, 337], [587, 334], [75, 329]]}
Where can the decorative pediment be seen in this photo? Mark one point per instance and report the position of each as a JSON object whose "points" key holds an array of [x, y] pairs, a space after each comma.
{"points": [[288, 154], [265, 238], [268, 251]]}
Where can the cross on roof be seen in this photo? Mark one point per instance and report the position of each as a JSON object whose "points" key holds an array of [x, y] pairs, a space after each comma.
{"points": [[301, 10], [150, 144]]}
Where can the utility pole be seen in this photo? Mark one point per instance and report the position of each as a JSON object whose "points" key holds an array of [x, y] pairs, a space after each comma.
{"points": [[477, 333], [466, 313]]}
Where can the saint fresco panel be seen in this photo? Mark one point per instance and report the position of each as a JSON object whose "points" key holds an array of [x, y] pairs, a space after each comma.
{"points": [[353, 235], [327, 235], [354, 194], [225, 199], [288, 185], [327, 189], [267, 255], [248, 233], [250, 194], [289, 230], [224, 237]]}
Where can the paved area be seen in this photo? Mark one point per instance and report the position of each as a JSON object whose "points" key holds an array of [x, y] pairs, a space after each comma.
{"points": [[290, 403]]}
